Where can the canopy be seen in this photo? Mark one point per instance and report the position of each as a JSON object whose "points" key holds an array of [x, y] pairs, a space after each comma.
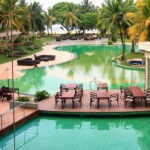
{"points": [[58, 29]]}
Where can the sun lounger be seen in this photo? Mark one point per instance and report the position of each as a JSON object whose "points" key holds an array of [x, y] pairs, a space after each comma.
{"points": [[28, 62], [44, 57]]}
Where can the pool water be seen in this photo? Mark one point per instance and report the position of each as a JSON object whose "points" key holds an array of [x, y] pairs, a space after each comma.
{"points": [[94, 63], [65, 133]]}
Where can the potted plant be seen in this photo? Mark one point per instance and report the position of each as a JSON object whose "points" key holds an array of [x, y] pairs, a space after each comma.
{"points": [[40, 95], [23, 101]]}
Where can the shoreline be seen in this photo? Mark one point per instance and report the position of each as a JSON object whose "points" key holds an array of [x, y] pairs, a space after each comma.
{"points": [[61, 56]]}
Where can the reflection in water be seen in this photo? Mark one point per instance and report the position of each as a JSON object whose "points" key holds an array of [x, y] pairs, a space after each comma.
{"points": [[23, 136], [94, 61], [67, 133]]}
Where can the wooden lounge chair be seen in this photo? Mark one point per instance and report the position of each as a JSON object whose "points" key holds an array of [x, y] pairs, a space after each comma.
{"points": [[59, 99], [122, 90], [28, 62], [128, 98], [114, 97], [147, 96], [44, 57], [93, 97], [4, 93], [77, 98]]}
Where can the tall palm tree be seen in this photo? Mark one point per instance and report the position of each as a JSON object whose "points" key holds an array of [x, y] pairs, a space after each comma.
{"points": [[36, 17], [12, 16], [129, 17], [141, 19], [71, 20], [113, 18], [49, 19]]}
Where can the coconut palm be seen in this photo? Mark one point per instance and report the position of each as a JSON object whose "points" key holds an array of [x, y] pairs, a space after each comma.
{"points": [[113, 18], [12, 16], [36, 17], [71, 19], [49, 19], [129, 17], [87, 6], [141, 19]]}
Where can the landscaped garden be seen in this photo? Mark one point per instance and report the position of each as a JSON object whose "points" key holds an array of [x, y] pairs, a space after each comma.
{"points": [[124, 23]]}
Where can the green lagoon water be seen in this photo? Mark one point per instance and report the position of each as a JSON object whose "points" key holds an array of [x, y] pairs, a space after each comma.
{"points": [[93, 62], [64, 133]]}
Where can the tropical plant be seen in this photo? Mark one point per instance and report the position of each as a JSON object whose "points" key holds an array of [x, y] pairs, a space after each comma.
{"points": [[49, 19], [23, 99], [12, 16], [87, 6], [71, 20], [113, 18], [141, 19], [88, 21], [40, 95], [36, 17]]}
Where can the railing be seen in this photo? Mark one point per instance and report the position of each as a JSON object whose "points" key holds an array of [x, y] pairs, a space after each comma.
{"points": [[93, 84], [6, 118]]}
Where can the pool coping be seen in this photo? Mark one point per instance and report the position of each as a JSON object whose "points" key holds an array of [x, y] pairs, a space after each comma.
{"points": [[96, 114]]}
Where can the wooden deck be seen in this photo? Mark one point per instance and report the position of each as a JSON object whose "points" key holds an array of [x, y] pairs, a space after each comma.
{"points": [[48, 106]]}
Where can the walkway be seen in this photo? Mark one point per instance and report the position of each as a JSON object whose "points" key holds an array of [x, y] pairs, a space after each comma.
{"points": [[61, 56], [21, 116]]}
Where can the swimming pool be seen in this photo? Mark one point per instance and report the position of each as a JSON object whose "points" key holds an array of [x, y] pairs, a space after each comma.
{"points": [[93, 62], [66, 133]]}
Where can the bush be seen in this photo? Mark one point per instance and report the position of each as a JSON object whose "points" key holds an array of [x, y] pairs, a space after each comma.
{"points": [[40, 95], [110, 43], [23, 99]]}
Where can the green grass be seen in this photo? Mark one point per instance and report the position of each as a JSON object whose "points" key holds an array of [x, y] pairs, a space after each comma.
{"points": [[135, 55], [27, 48], [126, 40]]}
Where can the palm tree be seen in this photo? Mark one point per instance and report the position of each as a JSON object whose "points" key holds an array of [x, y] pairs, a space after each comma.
{"points": [[87, 6], [113, 18], [49, 19], [141, 19], [12, 16], [71, 19], [36, 17], [129, 17]]}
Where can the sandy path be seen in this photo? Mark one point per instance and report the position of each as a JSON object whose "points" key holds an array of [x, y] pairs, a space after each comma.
{"points": [[61, 56]]}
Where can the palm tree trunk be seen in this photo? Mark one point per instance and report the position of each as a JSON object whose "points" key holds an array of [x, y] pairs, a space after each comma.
{"points": [[123, 44], [132, 47], [47, 30]]}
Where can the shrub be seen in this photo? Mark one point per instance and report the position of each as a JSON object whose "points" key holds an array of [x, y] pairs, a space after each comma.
{"points": [[40, 95], [110, 43], [23, 99]]}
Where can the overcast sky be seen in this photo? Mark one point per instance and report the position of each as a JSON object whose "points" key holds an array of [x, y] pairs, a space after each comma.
{"points": [[49, 3]]}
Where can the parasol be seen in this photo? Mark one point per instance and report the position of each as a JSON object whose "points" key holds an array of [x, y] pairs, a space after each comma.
{"points": [[6, 74]]}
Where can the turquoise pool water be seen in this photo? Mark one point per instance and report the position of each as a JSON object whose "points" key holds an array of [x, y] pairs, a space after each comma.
{"points": [[93, 62], [65, 133]]}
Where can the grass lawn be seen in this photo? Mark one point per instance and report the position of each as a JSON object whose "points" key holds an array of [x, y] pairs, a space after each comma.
{"points": [[135, 55], [30, 49]]}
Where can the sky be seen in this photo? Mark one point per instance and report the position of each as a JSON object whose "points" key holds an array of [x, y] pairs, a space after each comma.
{"points": [[49, 3]]}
